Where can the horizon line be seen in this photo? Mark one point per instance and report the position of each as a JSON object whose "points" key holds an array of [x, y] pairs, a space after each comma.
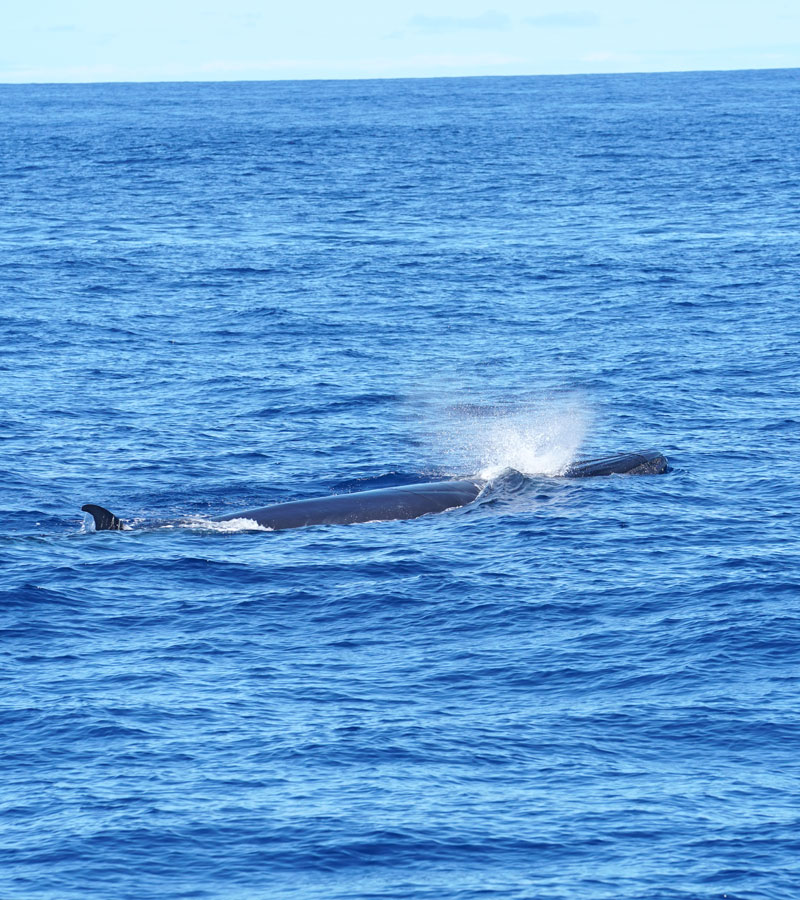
{"points": [[361, 78]]}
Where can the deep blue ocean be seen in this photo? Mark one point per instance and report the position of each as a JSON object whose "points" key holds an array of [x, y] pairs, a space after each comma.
{"points": [[217, 296]]}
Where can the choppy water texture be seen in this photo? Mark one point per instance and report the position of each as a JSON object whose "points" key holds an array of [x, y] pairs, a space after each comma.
{"points": [[217, 296]]}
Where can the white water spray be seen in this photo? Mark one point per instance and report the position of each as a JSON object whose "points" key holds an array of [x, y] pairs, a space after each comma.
{"points": [[540, 439]]}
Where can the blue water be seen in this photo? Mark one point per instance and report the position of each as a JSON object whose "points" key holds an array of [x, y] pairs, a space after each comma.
{"points": [[216, 296]]}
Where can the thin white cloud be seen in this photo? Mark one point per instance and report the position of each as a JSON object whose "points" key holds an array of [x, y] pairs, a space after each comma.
{"points": [[367, 67], [488, 21], [563, 20], [417, 65]]}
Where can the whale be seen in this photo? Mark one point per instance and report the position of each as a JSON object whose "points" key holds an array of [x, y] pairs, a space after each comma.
{"points": [[408, 501]]}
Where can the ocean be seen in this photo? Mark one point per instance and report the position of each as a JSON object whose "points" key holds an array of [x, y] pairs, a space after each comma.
{"points": [[218, 296]]}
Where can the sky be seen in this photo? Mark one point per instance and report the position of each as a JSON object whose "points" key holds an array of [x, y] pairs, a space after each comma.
{"points": [[234, 40]]}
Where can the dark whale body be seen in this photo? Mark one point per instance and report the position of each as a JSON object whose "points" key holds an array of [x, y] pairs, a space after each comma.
{"points": [[644, 462], [404, 502]]}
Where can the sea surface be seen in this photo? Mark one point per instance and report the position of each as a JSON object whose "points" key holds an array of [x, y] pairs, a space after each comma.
{"points": [[217, 296]]}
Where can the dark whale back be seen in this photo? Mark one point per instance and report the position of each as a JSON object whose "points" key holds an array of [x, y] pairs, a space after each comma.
{"points": [[643, 462], [408, 501], [404, 502]]}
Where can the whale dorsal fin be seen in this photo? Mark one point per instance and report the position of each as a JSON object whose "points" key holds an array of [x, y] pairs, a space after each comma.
{"points": [[103, 519]]}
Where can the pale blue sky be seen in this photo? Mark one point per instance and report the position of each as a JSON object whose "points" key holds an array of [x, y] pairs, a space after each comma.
{"points": [[211, 40]]}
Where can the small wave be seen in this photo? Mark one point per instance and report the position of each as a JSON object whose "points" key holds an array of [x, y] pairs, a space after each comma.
{"points": [[506, 481], [385, 480]]}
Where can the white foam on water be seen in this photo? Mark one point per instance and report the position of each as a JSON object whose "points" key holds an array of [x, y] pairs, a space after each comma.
{"points": [[231, 526], [540, 439]]}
